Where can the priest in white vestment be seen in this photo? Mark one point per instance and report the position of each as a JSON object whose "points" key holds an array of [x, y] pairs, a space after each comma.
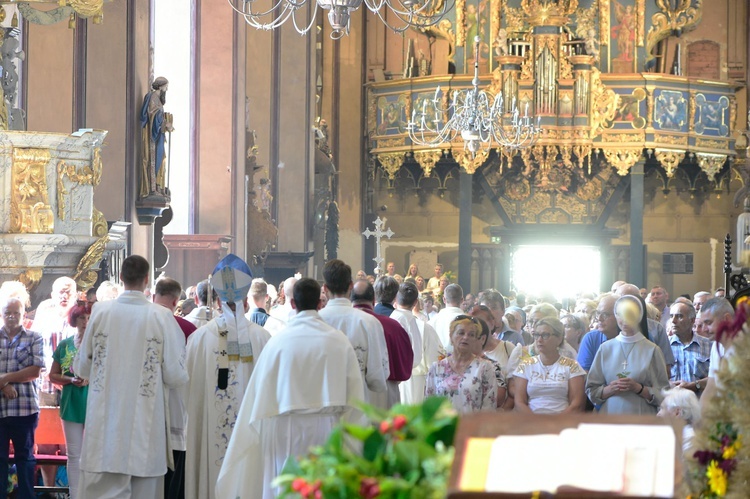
{"points": [[221, 357], [203, 313], [131, 352], [363, 330], [452, 296], [305, 382], [412, 390]]}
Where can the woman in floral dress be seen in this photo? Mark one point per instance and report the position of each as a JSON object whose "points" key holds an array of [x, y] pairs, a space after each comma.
{"points": [[466, 379]]}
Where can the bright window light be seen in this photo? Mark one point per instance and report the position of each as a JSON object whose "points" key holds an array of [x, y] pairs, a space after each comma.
{"points": [[560, 271]]}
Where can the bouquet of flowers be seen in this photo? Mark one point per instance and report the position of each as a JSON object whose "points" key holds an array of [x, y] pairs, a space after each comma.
{"points": [[405, 453], [721, 466]]}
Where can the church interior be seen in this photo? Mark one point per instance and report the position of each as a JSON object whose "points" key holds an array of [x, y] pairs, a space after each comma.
{"points": [[286, 148]]}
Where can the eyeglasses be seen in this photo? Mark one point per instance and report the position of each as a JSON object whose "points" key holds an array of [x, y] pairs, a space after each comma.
{"points": [[544, 336], [464, 317], [603, 316]]}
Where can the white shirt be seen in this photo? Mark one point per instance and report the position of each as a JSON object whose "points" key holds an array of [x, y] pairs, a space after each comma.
{"points": [[442, 322], [547, 386], [367, 338], [717, 354], [409, 323], [131, 351]]}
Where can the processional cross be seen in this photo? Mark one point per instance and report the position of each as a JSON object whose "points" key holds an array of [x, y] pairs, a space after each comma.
{"points": [[378, 233]]}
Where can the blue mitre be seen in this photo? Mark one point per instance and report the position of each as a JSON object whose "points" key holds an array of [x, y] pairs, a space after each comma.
{"points": [[231, 279]]}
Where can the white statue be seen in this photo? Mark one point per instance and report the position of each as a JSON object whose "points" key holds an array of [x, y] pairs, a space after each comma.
{"points": [[501, 43]]}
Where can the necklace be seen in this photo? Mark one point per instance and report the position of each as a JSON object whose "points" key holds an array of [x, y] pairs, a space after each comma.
{"points": [[546, 368], [626, 355]]}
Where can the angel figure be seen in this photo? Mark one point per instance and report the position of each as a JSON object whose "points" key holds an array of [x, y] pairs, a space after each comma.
{"points": [[500, 45], [591, 44], [624, 31]]}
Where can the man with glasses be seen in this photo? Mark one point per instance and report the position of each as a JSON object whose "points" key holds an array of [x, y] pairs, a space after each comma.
{"points": [[21, 362], [605, 326]]}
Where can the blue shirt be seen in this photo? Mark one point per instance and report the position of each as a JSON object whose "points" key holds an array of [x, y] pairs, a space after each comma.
{"points": [[512, 336], [691, 361], [259, 316], [589, 346]]}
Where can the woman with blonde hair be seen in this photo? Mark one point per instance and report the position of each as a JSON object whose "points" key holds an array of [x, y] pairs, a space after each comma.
{"points": [[463, 377]]}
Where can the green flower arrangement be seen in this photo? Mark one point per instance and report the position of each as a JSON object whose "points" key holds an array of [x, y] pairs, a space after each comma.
{"points": [[405, 453]]}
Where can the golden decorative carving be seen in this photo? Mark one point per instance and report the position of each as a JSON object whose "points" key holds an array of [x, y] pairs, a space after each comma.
{"points": [[640, 25], [372, 113], [650, 110], [604, 14], [517, 188], [396, 142], [585, 21], [685, 16], [427, 159], [461, 23], [391, 163], [470, 162], [30, 211], [496, 8], [711, 144], [624, 137], [711, 164], [84, 175], [85, 277], [514, 21], [31, 277], [96, 166], [671, 139], [581, 151], [669, 160], [566, 68], [548, 12], [527, 66], [623, 159], [733, 113], [99, 226], [591, 190], [691, 111], [566, 153], [604, 102], [547, 41]]}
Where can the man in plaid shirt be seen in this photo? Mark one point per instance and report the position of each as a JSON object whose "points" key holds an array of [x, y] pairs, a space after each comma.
{"points": [[21, 361], [692, 353]]}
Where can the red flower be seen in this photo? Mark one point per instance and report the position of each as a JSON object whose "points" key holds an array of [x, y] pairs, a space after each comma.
{"points": [[730, 329], [298, 483], [369, 488], [399, 422], [385, 426]]}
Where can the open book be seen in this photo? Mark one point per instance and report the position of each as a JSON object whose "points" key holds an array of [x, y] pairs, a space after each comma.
{"points": [[635, 460]]}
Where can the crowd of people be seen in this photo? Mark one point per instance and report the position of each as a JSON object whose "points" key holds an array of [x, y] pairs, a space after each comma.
{"points": [[207, 392]]}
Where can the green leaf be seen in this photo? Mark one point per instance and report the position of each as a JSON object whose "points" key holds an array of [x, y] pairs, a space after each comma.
{"points": [[359, 432], [373, 446], [292, 467], [373, 413], [406, 456], [431, 406]]}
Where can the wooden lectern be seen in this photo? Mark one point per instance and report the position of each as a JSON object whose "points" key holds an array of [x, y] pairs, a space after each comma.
{"points": [[489, 425]]}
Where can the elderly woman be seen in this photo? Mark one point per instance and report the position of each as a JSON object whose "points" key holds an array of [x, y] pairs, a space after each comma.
{"points": [[575, 327], [683, 404], [549, 383], [628, 373], [74, 391], [466, 379]]}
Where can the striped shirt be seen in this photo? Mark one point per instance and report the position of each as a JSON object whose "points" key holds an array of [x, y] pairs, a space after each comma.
{"points": [[24, 350], [691, 361]]}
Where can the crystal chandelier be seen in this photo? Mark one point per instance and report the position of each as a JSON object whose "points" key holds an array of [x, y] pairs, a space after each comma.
{"points": [[270, 14], [479, 119]]}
